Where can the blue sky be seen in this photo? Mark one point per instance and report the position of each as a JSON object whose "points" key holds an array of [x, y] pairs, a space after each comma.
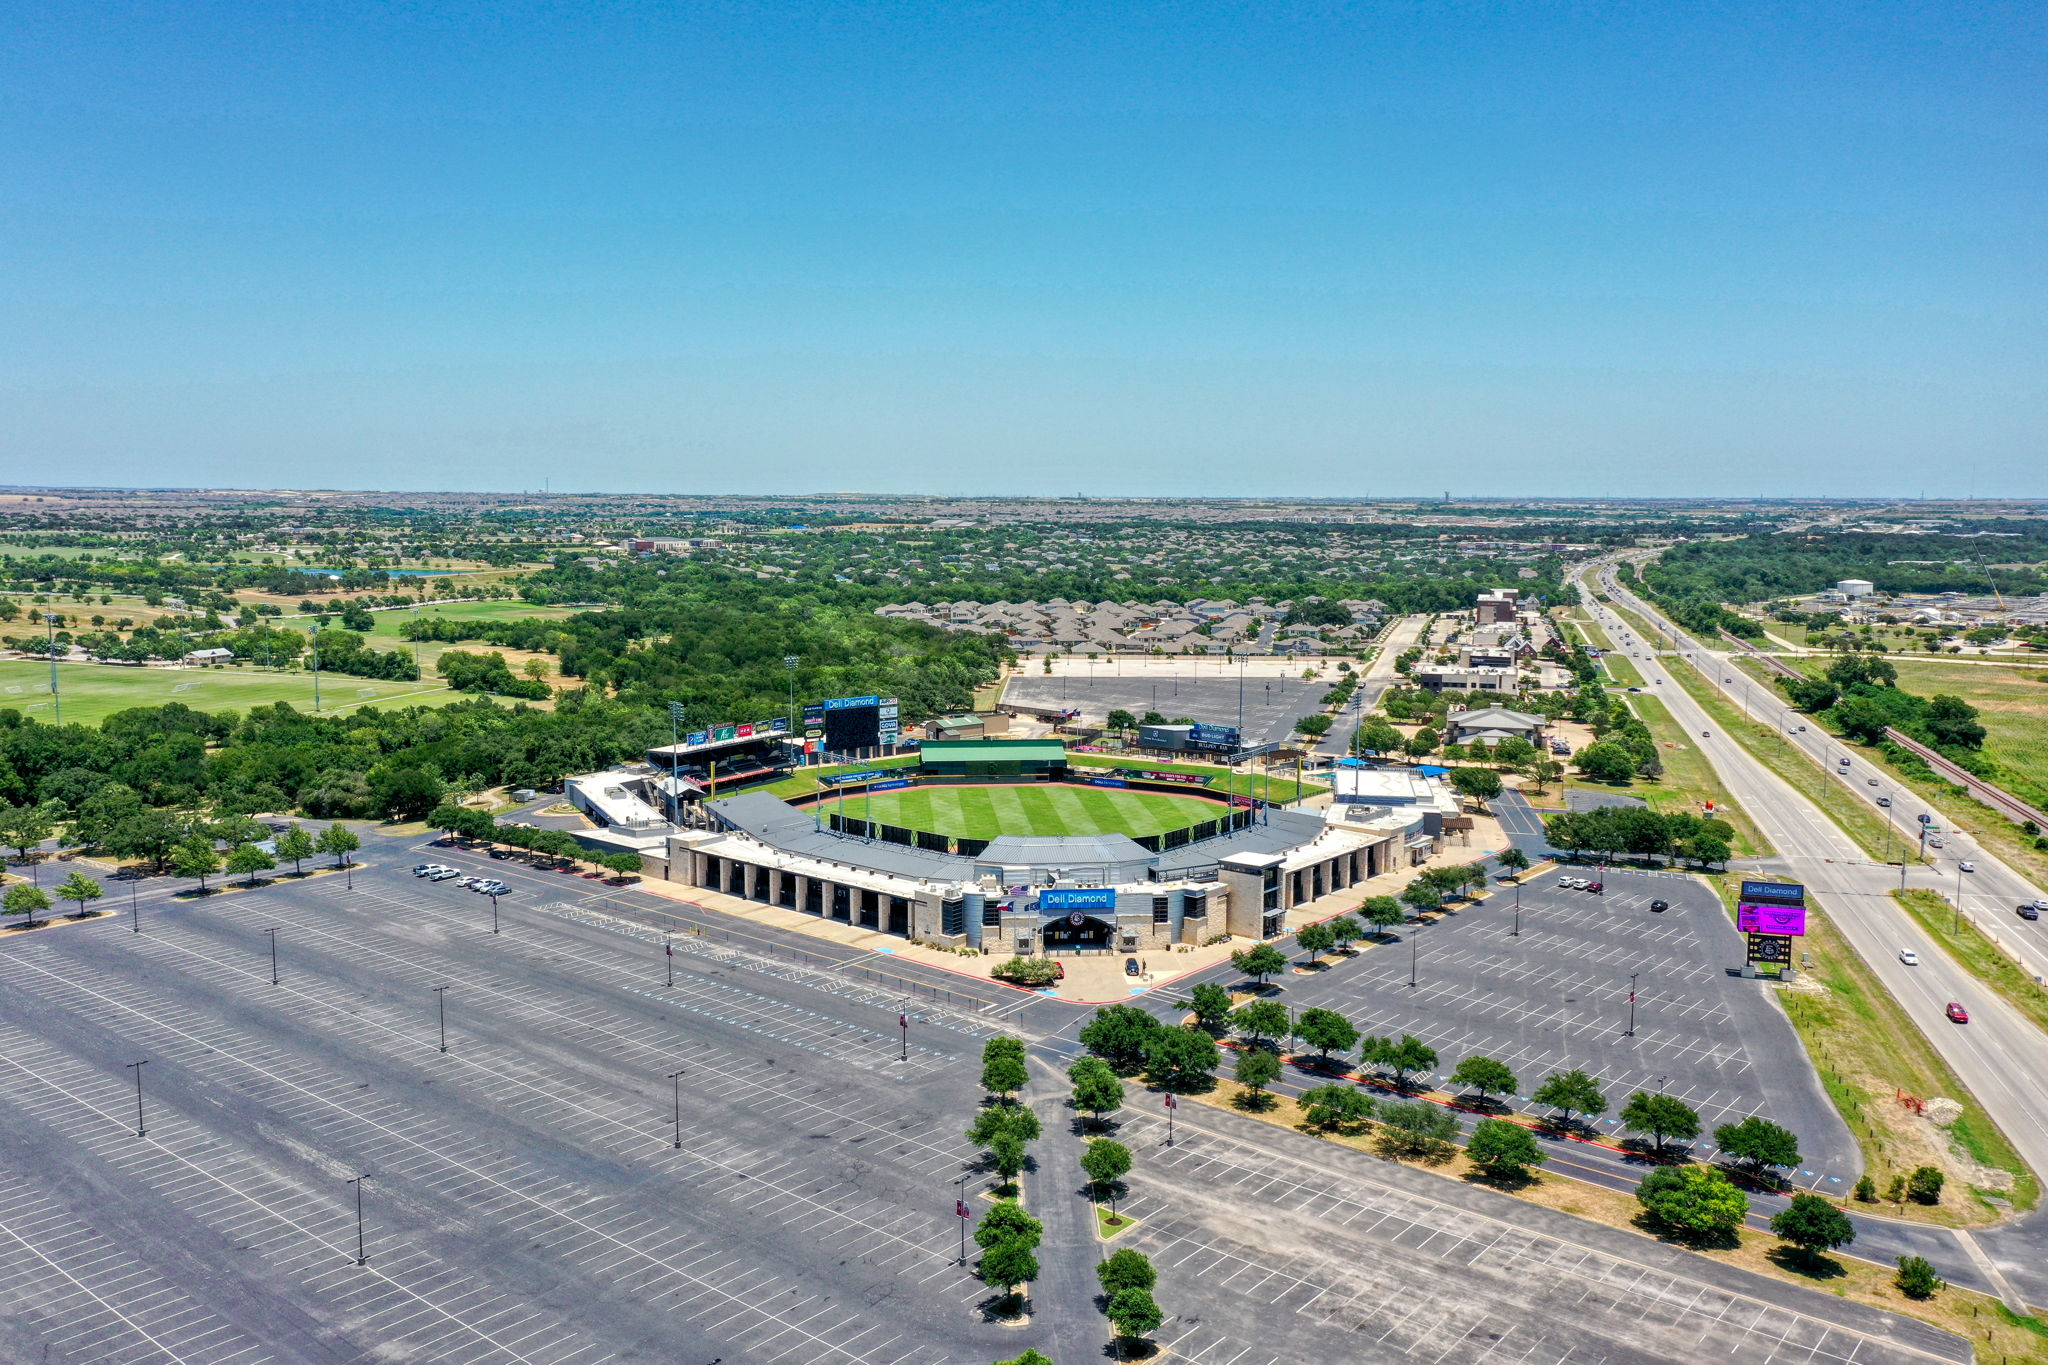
{"points": [[1187, 248]]}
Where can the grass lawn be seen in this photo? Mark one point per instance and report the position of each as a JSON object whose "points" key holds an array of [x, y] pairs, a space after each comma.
{"points": [[985, 812], [387, 633], [92, 692], [2013, 707], [1688, 782]]}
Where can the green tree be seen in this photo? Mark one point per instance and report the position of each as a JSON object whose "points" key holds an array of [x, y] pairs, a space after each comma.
{"points": [[1006, 1221], [1571, 1093], [1002, 1066], [1760, 1142], [1181, 1059], [1315, 940], [1106, 1161], [1924, 1185], [340, 841], [1383, 912], [1121, 721], [1133, 1313], [24, 898], [1345, 931], [1259, 961], [194, 857], [1336, 1106], [1097, 1091], [1503, 1149], [1326, 1031], [1007, 1265], [1483, 783], [248, 860], [1211, 1005], [1813, 1225], [24, 827], [1661, 1116], [1693, 1199], [1263, 1021], [1256, 1069], [1420, 896], [80, 888], [1513, 860], [1402, 1058], [1485, 1076], [1121, 1035], [1916, 1278], [1421, 744], [1607, 761], [296, 845], [1417, 1127], [1377, 737], [1125, 1269], [403, 791], [1003, 1120]]}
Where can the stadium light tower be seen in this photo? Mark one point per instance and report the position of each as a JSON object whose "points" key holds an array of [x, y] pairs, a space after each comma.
{"points": [[56, 698], [675, 734], [789, 663]]}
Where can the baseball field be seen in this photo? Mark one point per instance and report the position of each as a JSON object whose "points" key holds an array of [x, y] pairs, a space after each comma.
{"points": [[984, 812]]}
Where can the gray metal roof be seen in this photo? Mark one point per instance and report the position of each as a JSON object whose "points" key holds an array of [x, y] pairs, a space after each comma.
{"points": [[774, 821]]}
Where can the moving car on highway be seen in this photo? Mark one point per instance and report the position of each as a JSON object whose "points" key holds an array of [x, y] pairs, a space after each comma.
{"points": [[1956, 1013], [1909, 957]]}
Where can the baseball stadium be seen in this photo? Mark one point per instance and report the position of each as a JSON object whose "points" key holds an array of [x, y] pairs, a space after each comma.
{"points": [[1007, 846]]}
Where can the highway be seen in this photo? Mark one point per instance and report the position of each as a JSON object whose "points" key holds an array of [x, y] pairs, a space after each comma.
{"points": [[1999, 1055]]}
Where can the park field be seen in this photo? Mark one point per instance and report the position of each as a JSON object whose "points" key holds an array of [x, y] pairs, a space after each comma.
{"points": [[92, 692], [390, 623], [2013, 707], [986, 812]]}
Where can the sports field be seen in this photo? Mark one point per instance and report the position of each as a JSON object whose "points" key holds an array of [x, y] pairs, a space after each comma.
{"points": [[986, 812], [93, 692]]}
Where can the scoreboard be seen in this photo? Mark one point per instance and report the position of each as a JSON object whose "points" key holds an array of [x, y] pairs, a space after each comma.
{"points": [[843, 724]]}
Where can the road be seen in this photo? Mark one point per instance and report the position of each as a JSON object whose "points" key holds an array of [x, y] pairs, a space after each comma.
{"points": [[1379, 675], [1999, 1055]]}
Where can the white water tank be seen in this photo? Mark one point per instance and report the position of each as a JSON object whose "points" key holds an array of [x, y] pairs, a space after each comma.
{"points": [[1855, 587]]}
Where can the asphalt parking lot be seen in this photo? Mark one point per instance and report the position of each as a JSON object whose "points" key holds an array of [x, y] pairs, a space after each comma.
{"points": [[1556, 996], [1293, 1241], [525, 1200], [1271, 705]]}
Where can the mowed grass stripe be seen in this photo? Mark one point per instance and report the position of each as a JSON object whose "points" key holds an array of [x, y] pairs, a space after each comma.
{"points": [[987, 812]]}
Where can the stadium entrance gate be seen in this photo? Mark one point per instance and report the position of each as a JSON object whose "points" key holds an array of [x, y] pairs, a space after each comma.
{"points": [[1078, 932]]}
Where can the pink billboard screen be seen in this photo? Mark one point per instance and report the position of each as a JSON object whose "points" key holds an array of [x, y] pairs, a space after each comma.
{"points": [[1752, 918]]}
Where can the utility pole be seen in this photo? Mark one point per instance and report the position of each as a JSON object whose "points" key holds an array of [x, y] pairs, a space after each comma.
{"points": [[273, 956], [675, 1081], [441, 996], [362, 1256], [141, 1129]]}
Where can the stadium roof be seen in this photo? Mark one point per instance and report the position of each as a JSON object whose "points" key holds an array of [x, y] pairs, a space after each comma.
{"points": [[992, 750]]}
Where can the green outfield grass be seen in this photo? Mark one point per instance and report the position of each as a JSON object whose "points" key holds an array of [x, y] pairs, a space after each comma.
{"points": [[985, 812], [93, 692]]}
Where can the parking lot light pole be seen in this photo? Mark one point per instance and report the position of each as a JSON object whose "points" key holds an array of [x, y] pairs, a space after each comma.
{"points": [[362, 1255], [1516, 932], [141, 1129], [675, 1081], [903, 1025], [1171, 1105], [273, 956], [494, 912], [1632, 1003], [960, 1212], [1414, 948], [441, 995], [668, 956], [134, 910]]}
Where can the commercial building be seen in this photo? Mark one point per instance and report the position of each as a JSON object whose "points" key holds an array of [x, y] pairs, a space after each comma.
{"points": [[1499, 606]]}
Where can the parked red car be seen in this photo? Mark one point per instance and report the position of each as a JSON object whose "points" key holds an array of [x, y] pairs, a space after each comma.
{"points": [[1956, 1013]]}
